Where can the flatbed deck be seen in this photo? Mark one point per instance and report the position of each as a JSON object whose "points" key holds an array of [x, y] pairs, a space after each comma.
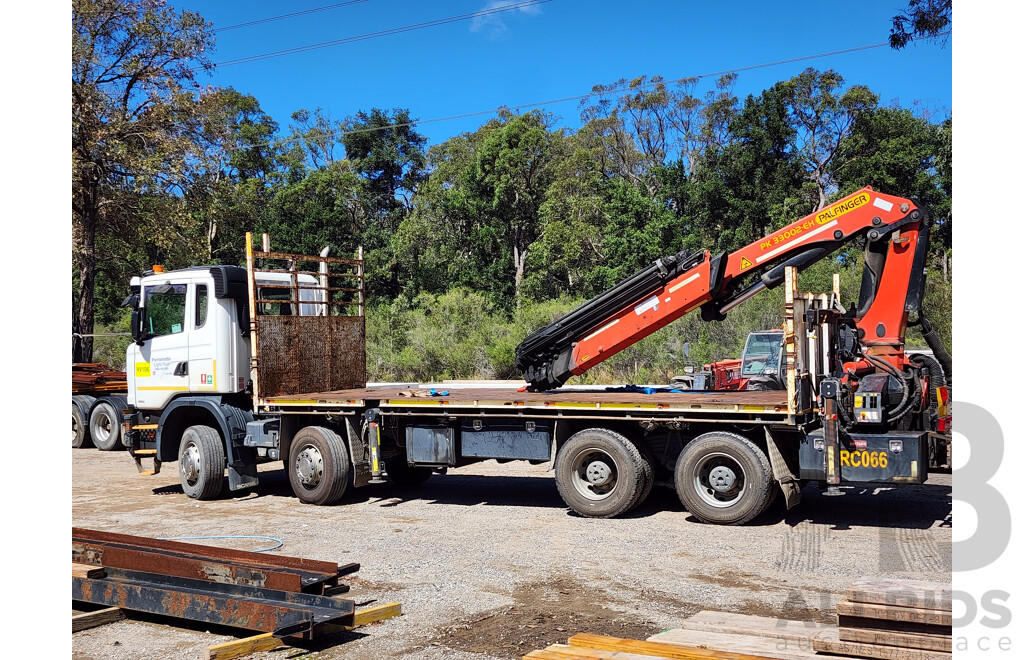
{"points": [[566, 398]]}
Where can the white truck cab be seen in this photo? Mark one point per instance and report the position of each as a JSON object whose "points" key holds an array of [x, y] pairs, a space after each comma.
{"points": [[191, 330]]}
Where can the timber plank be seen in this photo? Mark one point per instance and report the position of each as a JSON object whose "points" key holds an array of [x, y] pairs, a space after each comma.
{"points": [[893, 638], [758, 626], [697, 646], [877, 651], [904, 593], [238, 648], [783, 649], [895, 626], [378, 613], [98, 618], [563, 652], [895, 613], [87, 571]]}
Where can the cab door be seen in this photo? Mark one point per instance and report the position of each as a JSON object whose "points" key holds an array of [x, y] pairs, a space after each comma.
{"points": [[161, 361], [208, 340]]}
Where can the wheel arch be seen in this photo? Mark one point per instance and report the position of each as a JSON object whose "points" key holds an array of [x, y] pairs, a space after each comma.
{"points": [[184, 412]]}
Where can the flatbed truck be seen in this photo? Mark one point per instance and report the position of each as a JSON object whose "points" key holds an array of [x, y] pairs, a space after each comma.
{"points": [[232, 367]]}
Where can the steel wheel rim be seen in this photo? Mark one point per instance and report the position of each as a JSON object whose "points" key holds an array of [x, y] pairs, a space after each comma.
{"points": [[74, 428], [101, 426], [190, 464], [594, 474], [309, 467], [719, 480]]}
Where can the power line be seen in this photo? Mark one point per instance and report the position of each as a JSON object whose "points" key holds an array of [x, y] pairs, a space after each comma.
{"points": [[291, 15], [580, 97], [383, 33]]}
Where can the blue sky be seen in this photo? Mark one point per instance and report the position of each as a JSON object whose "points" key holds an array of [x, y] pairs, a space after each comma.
{"points": [[557, 49]]}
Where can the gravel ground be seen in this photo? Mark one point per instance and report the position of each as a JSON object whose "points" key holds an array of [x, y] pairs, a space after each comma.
{"points": [[489, 563]]}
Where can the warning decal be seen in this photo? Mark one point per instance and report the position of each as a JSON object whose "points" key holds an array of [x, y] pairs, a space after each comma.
{"points": [[745, 263]]}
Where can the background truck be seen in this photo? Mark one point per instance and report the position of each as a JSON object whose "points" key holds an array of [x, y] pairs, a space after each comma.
{"points": [[761, 366], [235, 366], [99, 397]]}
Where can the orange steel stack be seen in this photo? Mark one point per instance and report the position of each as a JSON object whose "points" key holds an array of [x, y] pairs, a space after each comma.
{"points": [[87, 377]]}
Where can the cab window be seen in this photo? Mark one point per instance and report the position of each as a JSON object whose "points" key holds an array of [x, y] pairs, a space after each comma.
{"points": [[761, 354], [165, 309], [202, 301]]}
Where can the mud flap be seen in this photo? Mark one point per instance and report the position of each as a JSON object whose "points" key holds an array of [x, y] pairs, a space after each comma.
{"points": [[359, 452], [780, 471], [242, 476]]}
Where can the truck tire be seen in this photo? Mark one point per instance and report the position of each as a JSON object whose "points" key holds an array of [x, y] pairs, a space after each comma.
{"points": [[318, 466], [601, 474], [647, 466], [723, 478], [79, 429], [201, 462], [105, 427], [403, 475]]}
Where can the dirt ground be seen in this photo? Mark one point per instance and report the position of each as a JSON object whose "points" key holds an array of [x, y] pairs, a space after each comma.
{"points": [[488, 562]]}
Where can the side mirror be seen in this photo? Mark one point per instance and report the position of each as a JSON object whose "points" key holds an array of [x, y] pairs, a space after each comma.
{"points": [[686, 349], [138, 335]]}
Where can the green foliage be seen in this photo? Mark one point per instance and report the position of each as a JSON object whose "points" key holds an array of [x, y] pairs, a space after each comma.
{"points": [[112, 350], [137, 141]]}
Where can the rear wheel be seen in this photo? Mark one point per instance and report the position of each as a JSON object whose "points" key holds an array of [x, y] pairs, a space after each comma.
{"points": [[601, 474], [647, 467], [201, 462], [724, 478], [105, 427], [79, 429], [318, 466]]}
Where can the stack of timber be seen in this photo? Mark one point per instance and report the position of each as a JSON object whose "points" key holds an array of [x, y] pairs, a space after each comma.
{"points": [[89, 377], [705, 635], [907, 630], [894, 620], [288, 599]]}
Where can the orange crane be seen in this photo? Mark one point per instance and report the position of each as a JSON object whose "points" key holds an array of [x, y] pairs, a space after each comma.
{"points": [[891, 288]]}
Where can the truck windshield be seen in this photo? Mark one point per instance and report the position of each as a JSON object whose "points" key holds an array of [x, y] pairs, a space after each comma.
{"points": [[761, 352], [165, 309]]}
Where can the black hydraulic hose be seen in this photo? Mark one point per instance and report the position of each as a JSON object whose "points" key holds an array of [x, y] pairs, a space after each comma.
{"points": [[841, 408], [898, 411], [931, 337]]}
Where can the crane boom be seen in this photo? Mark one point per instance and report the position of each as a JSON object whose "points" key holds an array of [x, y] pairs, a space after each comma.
{"points": [[676, 285]]}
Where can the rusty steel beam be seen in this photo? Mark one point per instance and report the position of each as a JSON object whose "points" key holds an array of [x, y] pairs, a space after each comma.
{"points": [[257, 559], [189, 560], [116, 555], [268, 610]]}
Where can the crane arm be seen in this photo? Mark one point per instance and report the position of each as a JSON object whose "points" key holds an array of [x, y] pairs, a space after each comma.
{"points": [[676, 285]]}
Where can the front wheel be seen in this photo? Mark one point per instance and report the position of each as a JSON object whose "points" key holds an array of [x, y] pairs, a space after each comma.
{"points": [[723, 478], [318, 466], [201, 462], [601, 474], [105, 427]]}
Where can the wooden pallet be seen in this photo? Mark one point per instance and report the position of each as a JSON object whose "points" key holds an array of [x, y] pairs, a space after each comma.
{"points": [[894, 620]]}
